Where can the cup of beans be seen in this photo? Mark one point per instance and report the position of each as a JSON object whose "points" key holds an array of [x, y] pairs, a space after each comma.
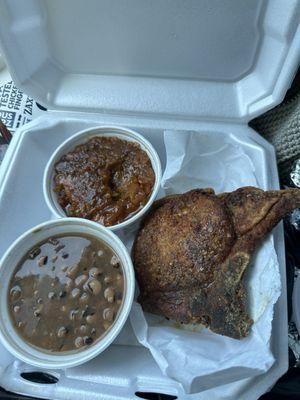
{"points": [[67, 289], [109, 175]]}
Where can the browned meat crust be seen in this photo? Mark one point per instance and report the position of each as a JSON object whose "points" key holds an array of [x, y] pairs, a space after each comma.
{"points": [[192, 250]]}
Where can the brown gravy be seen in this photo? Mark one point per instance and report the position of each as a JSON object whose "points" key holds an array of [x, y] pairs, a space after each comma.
{"points": [[66, 292], [106, 180]]}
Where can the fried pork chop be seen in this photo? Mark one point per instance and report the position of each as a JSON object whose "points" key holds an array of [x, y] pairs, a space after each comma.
{"points": [[192, 250]]}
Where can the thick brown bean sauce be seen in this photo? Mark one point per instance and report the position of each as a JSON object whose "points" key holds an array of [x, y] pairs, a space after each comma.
{"points": [[106, 180], [66, 292]]}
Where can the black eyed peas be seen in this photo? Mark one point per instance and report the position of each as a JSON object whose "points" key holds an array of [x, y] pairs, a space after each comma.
{"points": [[66, 292]]}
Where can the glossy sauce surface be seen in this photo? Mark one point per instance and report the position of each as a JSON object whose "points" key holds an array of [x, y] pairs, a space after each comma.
{"points": [[66, 292], [106, 180]]}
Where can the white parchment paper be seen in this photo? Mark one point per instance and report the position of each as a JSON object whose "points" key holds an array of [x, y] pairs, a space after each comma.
{"points": [[194, 356]]}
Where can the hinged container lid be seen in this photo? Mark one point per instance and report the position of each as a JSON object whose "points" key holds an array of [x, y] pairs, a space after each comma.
{"points": [[212, 59]]}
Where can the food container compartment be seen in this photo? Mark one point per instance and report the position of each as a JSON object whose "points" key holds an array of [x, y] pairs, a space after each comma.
{"points": [[19, 175], [84, 136], [14, 342]]}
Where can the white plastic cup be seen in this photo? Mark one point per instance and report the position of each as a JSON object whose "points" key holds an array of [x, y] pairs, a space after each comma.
{"points": [[84, 136], [10, 338]]}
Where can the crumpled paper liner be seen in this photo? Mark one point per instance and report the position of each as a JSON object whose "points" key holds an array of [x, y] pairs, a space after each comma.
{"points": [[192, 355]]}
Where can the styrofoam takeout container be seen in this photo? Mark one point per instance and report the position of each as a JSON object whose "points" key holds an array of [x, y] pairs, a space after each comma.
{"points": [[84, 136], [8, 334], [207, 66]]}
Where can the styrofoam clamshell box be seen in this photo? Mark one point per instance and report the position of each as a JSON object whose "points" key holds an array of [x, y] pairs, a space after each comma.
{"points": [[203, 65]]}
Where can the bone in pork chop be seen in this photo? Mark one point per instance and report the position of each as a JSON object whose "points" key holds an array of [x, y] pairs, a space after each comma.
{"points": [[192, 250]]}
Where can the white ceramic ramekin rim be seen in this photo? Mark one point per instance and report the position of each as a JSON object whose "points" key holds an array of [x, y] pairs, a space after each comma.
{"points": [[8, 335], [82, 137]]}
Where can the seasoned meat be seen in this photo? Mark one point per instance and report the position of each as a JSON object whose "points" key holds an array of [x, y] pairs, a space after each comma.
{"points": [[192, 250]]}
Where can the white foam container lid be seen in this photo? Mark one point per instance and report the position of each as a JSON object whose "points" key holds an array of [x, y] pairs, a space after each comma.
{"points": [[150, 65], [211, 59]]}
